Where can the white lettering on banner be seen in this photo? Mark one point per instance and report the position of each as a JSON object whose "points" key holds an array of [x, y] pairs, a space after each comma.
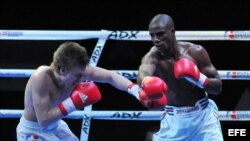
{"points": [[96, 53], [11, 33], [123, 34], [129, 75], [235, 74], [86, 123], [237, 115], [237, 132], [124, 115], [237, 34]]}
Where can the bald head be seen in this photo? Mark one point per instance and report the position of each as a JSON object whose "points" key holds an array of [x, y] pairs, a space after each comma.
{"points": [[162, 20]]}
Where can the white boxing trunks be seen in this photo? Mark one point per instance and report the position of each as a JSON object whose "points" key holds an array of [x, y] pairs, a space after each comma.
{"points": [[31, 131], [198, 123]]}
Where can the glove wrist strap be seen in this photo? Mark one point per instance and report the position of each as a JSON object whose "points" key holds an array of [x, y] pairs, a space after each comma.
{"points": [[67, 106], [134, 89]]}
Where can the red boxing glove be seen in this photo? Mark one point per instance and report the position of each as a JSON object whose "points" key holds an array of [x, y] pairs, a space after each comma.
{"points": [[154, 87], [185, 68], [84, 94], [151, 94], [158, 104]]}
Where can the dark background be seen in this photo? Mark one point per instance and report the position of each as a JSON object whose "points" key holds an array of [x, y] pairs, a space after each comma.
{"points": [[121, 15]]}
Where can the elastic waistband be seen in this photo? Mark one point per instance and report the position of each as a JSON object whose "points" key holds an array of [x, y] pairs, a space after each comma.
{"points": [[35, 125], [199, 105]]}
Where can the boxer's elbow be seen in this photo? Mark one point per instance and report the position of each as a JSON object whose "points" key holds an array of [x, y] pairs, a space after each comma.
{"points": [[215, 89], [46, 120], [44, 123], [219, 87]]}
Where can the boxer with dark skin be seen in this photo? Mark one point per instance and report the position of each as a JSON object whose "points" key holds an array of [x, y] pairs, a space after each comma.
{"points": [[185, 67]]}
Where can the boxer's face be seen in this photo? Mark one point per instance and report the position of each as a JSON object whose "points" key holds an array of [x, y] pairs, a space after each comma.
{"points": [[161, 36], [73, 76]]}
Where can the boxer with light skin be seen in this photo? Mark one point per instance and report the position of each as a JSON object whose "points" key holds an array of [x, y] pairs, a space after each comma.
{"points": [[55, 91]]}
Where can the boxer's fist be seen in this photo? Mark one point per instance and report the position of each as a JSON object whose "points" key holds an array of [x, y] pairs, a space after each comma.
{"points": [[84, 94], [158, 104], [185, 68], [154, 87], [151, 94]]}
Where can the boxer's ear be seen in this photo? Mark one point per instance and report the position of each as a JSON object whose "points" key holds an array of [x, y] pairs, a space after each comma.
{"points": [[173, 30], [61, 70]]}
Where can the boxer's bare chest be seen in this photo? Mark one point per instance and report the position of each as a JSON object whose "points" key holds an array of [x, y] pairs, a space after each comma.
{"points": [[57, 95], [180, 92]]}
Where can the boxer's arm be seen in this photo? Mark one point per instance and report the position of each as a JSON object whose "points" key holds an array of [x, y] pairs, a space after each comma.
{"points": [[102, 75], [147, 68], [42, 101], [207, 68]]}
